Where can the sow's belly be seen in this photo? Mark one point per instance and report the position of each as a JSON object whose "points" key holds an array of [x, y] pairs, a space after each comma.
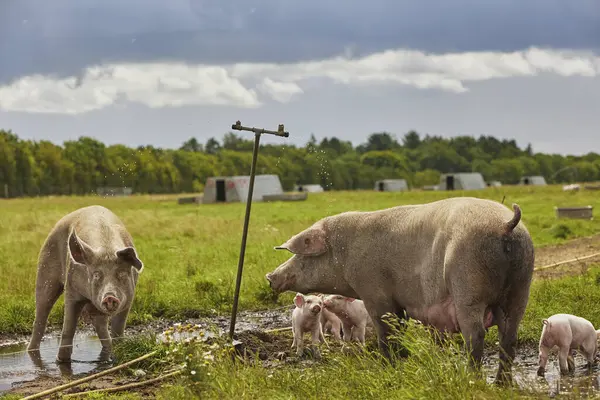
{"points": [[442, 316]]}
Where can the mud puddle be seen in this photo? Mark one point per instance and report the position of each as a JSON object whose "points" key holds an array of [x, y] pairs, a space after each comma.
{"points": [[582, 382], [18, 367], [18, 371]]}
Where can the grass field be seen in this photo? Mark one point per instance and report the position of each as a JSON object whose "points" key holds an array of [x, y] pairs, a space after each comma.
{"points": [[191, 254]]}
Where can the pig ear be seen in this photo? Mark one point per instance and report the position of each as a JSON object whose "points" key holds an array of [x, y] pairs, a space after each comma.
{"points": [[308, 243], [129, 255], [299, 300], [350, 299], [80, 251]]}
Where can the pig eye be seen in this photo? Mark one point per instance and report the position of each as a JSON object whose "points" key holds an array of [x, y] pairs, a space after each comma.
{"points": [[97, 275], [122, 275]]}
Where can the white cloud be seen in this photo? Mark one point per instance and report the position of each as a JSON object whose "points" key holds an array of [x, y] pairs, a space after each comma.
{"points": [[279, 91], [178, 84]]}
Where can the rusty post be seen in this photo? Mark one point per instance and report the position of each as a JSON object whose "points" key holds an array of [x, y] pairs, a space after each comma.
{"points": [[257, 132]]}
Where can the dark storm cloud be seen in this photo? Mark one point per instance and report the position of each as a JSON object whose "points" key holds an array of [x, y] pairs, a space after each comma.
{"points": [[62, 37]]}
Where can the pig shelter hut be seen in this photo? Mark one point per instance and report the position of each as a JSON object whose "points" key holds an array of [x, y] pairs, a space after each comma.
{"points": [[533, 180], [462, 181], [227, 189], [391, 185], [312, 188]]}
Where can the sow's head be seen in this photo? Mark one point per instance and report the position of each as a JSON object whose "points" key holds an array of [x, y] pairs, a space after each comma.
{"points": [[106, 278], [304, 271]]}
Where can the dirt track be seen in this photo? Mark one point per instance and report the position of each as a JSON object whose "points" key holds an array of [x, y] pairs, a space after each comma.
{"points": [[572, 249]]}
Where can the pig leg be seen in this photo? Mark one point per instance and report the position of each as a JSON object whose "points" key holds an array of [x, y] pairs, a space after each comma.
{"points": [[47, 290], [73, 310], [118, 322], [359, 332], [470, 320], [508, 324], [347, 331], [46, 296], [100, 323], [335, 331], [543, 359], [589, 349], [377, 311], [322, 335], [315, 334], [563, 355], [298, 342]]}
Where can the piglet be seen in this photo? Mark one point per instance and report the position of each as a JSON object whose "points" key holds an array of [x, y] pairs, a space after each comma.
{"points": [[568, 332], [331, 323], [351, 312], [306, 317]]}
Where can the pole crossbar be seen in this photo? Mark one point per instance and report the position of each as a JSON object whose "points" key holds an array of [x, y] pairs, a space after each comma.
{"points": [[257, 132], [279, 132]]}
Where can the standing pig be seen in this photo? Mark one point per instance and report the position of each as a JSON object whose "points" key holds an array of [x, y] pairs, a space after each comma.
{"points": [[351, 312], [331, 323], [91, 257], [568, 332], [306, 317], [460, 264]]}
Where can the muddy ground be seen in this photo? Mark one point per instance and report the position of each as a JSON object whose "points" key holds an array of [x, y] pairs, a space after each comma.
{"points": [[273, 348]]}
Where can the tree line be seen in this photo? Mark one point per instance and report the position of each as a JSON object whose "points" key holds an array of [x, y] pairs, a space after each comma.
{"points": [[34, 168]]}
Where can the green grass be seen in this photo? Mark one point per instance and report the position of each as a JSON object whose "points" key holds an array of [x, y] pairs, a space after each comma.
{"points": [[191, 255], [191, 252], [432, 371]]}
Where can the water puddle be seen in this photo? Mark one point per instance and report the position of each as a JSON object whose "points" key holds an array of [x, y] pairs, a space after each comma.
{"points": [[582, 383], [17, 365]]}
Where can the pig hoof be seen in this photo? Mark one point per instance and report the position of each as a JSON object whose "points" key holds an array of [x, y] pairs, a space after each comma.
{"points": [[62, 360], [540, 371]]}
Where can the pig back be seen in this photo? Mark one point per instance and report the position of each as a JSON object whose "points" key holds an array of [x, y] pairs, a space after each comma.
{"points": [[401, 252]]}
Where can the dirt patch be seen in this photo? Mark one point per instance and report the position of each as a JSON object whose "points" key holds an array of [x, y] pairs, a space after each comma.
{"points": [[104, 382], [570, 250]]}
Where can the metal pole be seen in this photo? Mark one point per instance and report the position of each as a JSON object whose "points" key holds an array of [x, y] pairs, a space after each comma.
{"points": [[257, 132], [238, 281]]}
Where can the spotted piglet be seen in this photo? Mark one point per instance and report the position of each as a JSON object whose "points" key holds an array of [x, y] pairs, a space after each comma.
{"points": [[306, 317], [568, 332]]}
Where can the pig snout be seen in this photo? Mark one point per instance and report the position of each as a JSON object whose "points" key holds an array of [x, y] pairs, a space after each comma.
{"points": [[269, 278], [280, 282], [315, 309], [110, 303]]}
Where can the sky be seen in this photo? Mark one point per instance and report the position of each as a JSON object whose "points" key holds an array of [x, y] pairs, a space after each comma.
{"points": [[157, 72]]}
